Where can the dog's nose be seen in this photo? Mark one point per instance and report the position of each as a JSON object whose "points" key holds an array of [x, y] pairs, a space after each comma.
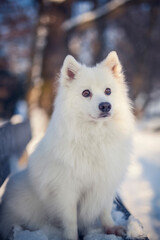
{"points": [[105, 107]]}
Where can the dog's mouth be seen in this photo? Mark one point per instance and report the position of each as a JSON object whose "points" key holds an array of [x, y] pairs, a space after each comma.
{"points": [[102, 115]]}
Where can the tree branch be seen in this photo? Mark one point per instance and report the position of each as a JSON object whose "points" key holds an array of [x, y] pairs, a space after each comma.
{"points": [[93, 15]]}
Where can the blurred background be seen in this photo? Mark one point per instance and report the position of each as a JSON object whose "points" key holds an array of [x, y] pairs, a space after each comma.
{"points": [[35, 37]]}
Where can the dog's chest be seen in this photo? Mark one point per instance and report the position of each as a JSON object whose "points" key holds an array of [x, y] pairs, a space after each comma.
{"points": [[100, 162], [93, 161]]}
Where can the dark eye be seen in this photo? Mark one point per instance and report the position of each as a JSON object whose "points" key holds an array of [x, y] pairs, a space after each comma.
{"points": [[86, 93], [108, 91]]}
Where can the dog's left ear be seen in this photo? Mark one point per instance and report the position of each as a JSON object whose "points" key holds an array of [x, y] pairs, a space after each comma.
{"points": [[113, 63], [70, 68]]}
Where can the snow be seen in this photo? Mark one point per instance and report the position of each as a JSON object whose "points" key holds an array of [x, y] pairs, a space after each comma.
{"points": [[101, 236], [118, 216], [134, 228], [133, 225], [39, 235], [27, 235]]}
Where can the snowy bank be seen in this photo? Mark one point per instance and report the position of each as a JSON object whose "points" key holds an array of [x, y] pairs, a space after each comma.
{"points": [[133, 226]]}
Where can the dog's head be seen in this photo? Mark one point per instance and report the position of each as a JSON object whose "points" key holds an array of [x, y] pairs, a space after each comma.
{"points": [[94, 94]]}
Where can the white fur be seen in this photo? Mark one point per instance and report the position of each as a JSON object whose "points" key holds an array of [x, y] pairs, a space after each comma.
{"points": [[74, 172]]}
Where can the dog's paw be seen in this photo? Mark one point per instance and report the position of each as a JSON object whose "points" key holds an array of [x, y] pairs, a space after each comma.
{"points": [[116, 230]]}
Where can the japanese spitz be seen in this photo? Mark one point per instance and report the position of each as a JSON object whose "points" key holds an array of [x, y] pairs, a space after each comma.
{"points": [[73, 174]]}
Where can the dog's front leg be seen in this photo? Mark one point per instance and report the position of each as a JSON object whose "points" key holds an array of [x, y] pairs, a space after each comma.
{"points": [[70, 225], [69, 220], [106, 219]]}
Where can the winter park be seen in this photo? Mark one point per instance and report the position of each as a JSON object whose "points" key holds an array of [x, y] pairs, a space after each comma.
{"points": [[79, 120]]}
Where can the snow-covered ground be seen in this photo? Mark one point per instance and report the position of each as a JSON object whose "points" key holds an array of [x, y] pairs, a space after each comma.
{"points": [[141, 187]]}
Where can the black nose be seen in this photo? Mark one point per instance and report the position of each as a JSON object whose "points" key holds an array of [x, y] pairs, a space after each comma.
{"points": [[105, 107]]}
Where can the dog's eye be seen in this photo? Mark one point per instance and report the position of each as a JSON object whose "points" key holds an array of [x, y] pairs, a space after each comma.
{"points": [[86, 93], [108, 91]]}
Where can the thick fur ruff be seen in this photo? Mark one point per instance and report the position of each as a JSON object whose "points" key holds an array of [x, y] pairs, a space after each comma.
{"points": [[73, 174]]}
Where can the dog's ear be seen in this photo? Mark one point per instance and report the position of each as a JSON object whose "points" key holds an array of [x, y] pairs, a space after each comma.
{"points": [[113, 63], [70, 68]]}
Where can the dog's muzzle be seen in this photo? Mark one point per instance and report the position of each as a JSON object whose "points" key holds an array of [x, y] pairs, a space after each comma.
{"points": [[105, 108]]}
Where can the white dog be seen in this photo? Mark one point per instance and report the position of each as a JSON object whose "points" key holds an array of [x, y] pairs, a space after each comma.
{"points": [[75, 170]]}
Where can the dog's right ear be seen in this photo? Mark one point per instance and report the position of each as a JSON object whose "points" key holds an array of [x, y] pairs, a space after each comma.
{"points": [[69, 69], [113, 63]]}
